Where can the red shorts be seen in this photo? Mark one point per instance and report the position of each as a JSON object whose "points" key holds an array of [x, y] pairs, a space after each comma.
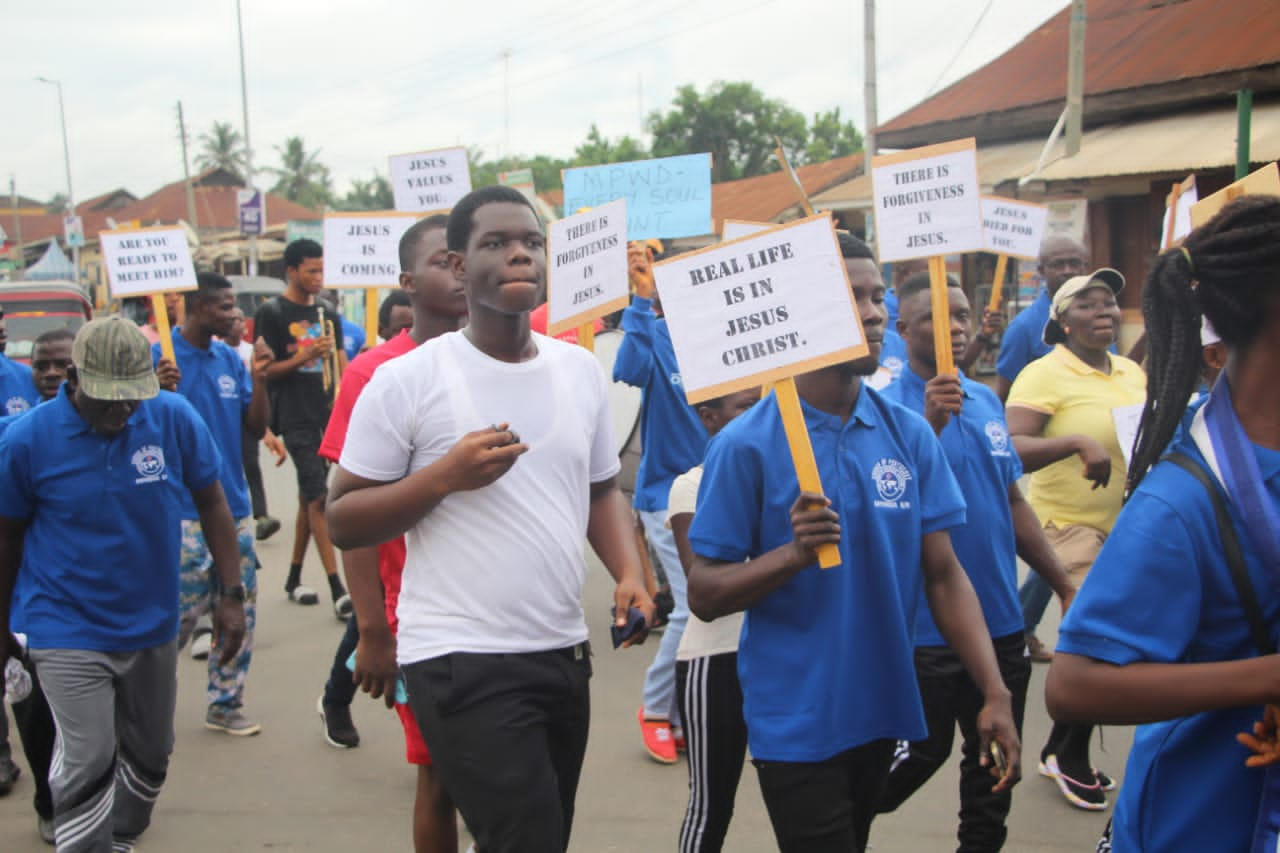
{"points": [[391, 557], [415, 748]]}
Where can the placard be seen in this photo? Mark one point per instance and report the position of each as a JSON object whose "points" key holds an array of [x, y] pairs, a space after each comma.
{"points": [[1177, 213], [427, 181], [1013, 228], [1265, 181], [666, 196], [587, 267], [927, 201], [147, 260], [760, 309], [363, 249], [736, 229]]}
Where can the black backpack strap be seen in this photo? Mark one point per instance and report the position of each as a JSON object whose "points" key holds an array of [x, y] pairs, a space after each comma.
{"points": [[1233, 552]]}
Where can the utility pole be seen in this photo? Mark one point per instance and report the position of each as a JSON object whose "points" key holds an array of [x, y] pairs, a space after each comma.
{"points": [[869, 85], [186, 172], [17, 227], [1075, 78], [248, 149], [66, 157], [506, 102], [640, 102]]}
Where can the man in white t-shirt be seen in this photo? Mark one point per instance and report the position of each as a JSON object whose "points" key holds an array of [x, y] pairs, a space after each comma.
{"points": [[492, 450]]}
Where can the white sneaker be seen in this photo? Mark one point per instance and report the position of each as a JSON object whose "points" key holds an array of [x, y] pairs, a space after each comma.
{"points": [[201, 645], [343, 608]]}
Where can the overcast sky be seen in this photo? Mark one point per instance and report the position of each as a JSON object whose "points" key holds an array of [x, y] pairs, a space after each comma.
{"points": [[360, 81]]}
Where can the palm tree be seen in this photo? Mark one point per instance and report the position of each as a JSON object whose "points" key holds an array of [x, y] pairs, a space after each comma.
{"points": [[301, 177], [222, 148]]}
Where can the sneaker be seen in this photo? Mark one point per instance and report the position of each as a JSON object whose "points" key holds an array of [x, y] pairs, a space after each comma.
{"points": [[657, 739], [119, 846], [677, 737], [9, 774], [44, 826], [302, 595], [230, 721], [343, 608], [1036, 650], [1105, 782], [1089, 797], [339, 730], [201, 645], [266, 527]]}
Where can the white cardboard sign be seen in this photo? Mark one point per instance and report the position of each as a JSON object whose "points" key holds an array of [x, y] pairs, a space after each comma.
{"points": [[587, 266], [363, 249], [736, 229], [1181, 213], [430, 180], [927, 201], [1013, 228], [760, 309], [147, 260]]}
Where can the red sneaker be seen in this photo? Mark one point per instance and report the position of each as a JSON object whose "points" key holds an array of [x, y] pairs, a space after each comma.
{"points": [[658, 741], [677, 735]]}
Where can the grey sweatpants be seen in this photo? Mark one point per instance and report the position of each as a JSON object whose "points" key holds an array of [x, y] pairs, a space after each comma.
{"points": [[114, 712]]}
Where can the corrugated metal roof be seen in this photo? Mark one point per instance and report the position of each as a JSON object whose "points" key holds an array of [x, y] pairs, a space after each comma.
{"points": [[1129, 44]]}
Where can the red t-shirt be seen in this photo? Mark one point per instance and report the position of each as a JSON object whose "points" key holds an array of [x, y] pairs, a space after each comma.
{"points": [[391, 555], [538, 323]]}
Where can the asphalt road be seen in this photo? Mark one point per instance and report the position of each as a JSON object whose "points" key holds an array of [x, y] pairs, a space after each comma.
{"points": [[287, 790]]}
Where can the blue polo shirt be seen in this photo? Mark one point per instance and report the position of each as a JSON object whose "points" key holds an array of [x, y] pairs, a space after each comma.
{"points": [[215, 382], [672, 436], [352, 339], [893, 353], [1160, 591], [982, 458], [17, 387], [826, 660], [100, 556], [1023, 341]]}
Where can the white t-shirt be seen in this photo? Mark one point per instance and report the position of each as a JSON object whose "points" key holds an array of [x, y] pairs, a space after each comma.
{"points": [[497, 569], [701, 639]]}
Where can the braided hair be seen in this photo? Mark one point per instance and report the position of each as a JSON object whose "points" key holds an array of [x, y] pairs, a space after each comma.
{"points": [[1228, 269]]}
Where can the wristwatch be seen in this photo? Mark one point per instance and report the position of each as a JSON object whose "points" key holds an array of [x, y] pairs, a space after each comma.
{"points": [[235, 593]]}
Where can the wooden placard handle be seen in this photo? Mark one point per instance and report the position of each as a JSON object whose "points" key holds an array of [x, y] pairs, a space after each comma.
{"points": [[587, 336], [162, 326], [371, 315], [802, 455], [997, 285], [941, 302]]}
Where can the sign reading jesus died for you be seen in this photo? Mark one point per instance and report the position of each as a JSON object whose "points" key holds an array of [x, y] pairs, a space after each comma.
{"points": [[666, 196], [927, 201], [363, 249], [430, 180], [587, 273], [1013, 228], [763, 308], [147, 260]]}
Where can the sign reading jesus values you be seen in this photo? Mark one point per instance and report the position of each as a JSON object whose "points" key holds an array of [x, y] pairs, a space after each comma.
{"points": [[760, 309], [147, 260], [927, 201], [587, 266], [363, 249], [430, 180], [666, 196]]}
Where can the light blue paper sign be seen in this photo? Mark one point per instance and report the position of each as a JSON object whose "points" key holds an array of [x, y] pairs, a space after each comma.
{"points": [[666, 196]]}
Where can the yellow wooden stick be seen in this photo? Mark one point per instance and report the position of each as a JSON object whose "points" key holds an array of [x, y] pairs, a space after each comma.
{"points": [[997, 285], [587, 336], [802, 454], [941, 302], [162, 326], [371, 315]]}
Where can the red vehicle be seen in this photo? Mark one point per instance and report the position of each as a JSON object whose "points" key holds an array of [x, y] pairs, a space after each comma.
{"points": [[34, 307]]}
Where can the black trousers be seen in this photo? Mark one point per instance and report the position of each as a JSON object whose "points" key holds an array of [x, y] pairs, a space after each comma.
{"points": [[35, 725], [508, 734], [253, 471], [950, 697], [825, 806], [710, 699]]}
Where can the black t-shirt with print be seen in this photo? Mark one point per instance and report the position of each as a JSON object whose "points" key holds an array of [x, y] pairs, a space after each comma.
{"points": [[298, 400]]}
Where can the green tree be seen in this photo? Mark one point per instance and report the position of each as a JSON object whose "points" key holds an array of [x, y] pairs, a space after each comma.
{"points": [[830, 137], [301, 177], [222, 148], [597, 151], [735, 122], [373, 194], [57, 204], [546, 169]]}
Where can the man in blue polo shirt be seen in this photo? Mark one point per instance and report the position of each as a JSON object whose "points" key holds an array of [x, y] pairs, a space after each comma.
{"points": [[969, 421], [17, 387], [214, 380], [826, 655], [89, 541]]}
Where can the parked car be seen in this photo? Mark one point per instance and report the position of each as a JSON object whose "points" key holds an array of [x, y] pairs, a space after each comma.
{"points": [[34, 307]]}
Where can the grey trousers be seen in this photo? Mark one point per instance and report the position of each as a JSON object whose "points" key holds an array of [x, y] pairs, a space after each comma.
{"points": [[114, 712]]}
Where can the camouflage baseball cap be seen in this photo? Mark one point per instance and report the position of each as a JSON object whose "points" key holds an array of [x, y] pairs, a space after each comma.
{"points": [[113, 361]]}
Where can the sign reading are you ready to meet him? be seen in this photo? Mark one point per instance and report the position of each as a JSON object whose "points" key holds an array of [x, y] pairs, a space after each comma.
{"points": [[147, 260], [430, 180], [666, 197], [587, 267], [363, 249], [756, 310], [927, 201]]}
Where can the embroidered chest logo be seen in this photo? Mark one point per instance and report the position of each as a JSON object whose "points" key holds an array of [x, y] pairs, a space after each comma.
{"points": [[16, 406], [894, 365], [891, 477], [149, 460], [999, 438], [227, 387], [676, 379]]}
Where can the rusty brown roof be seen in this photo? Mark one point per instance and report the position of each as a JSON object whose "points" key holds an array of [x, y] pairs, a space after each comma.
{"points": [[1169, 49], [764, 197]]}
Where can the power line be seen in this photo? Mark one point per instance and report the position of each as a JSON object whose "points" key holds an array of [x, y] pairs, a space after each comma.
{"points": [[963, 45]]}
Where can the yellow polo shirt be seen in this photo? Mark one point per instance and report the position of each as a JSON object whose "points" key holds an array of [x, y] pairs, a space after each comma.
{"points": [[1078, 400]]}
